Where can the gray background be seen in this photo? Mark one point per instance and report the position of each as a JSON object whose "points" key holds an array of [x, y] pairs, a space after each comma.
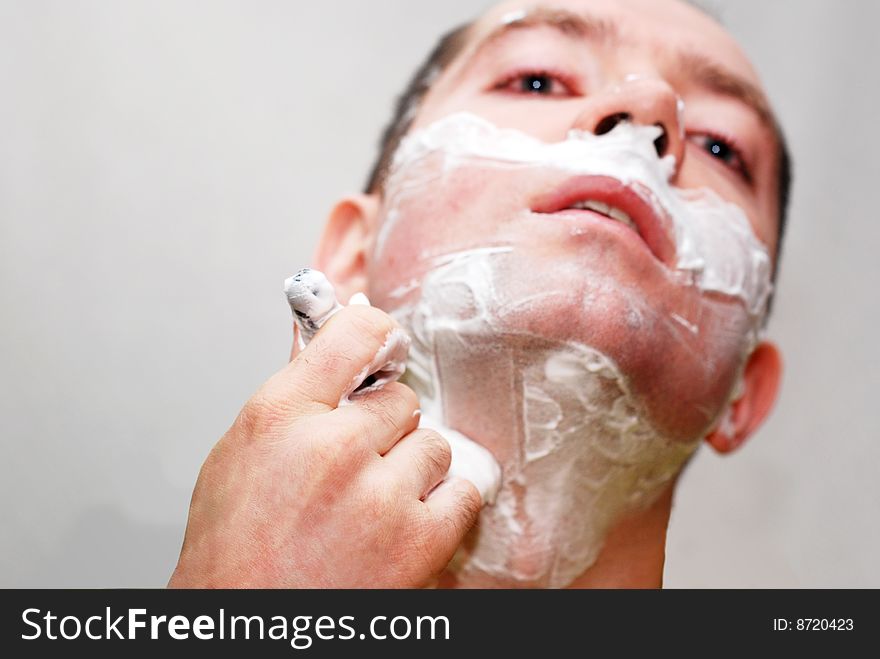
{"points": [[164, 165]]}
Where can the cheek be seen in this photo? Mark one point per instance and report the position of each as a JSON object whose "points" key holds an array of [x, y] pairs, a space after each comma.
{"points": [[688, 363], [679, 350], [555, 118], [699, 170], [435, 213]]}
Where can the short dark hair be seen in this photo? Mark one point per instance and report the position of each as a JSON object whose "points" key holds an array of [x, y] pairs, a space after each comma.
{"points": [[408, 103], [447, 49]]}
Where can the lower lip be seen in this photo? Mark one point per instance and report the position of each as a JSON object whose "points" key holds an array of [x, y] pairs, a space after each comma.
{"points": [[585, 219]]}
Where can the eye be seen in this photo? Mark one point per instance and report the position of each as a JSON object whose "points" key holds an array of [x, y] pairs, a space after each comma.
{"points": [[537, 83], [725, 150]]}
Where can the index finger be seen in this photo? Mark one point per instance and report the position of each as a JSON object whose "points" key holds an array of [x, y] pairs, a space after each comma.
{"points": [[294, 348], [339, 354]]}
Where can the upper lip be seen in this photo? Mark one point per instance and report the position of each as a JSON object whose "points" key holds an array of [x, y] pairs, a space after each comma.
{"points": [[650, 220]]}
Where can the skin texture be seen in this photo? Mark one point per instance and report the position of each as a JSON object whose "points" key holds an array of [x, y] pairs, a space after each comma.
{"points": [[288, 488], [299, 493]]}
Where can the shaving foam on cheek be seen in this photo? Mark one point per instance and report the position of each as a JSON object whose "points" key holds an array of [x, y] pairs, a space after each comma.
{"points": [[715, 247], [578, 449]]}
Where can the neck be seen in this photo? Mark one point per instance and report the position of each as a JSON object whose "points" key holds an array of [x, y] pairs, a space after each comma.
{"points": [[586, 487], [632, 557], [634, 552]]}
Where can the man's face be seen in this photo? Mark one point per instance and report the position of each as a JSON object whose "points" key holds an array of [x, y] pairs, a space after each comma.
{"points": [[547, 68]]}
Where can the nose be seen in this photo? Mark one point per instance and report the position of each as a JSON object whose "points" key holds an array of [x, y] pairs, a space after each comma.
{"points": [[646, 101]]}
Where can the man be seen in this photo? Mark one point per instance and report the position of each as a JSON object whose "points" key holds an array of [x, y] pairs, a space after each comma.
{"points": [[588, 347]]}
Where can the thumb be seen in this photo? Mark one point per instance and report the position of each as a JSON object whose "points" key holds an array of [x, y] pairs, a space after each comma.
{"points": [[299, 344]]}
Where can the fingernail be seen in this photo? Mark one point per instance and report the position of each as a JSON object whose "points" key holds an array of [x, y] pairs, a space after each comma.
{"points": [[359, 299]]}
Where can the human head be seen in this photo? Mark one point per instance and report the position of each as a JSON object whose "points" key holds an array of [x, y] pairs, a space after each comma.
{"points": [[629, 58]]}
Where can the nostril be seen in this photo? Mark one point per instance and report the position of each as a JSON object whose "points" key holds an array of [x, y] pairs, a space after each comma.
{"points": [[607, 124], [662, 142]]}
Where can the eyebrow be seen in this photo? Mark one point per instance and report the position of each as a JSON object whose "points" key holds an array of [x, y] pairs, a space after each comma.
{"points": [[701, 70], [567, 22], [718, 79]]}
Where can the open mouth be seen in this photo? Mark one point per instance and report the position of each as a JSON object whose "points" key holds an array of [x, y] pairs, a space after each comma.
{"points": [[611, 212], [611, 199]]}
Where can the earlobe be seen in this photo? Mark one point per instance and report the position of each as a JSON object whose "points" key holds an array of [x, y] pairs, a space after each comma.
{"points": [[760, 387], [344, 244]]}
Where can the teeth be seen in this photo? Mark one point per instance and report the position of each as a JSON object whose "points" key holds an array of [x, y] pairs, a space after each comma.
{"points": [[620, 216], [599, 207], [605, 209]]}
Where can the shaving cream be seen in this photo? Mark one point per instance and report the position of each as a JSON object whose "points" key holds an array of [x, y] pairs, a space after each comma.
{"points": [[510, 346], [313, 301], [580, 454], [715, 246]]}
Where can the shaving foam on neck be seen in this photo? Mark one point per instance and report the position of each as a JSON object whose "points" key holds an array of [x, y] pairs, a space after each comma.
{"points": [[579, 453]]}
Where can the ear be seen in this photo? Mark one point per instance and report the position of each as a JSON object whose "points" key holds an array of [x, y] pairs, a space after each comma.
{"points": [[760, 386], [344, 244]]}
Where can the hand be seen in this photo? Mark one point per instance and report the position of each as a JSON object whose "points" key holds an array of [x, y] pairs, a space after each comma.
{"points": [[302, 493]]}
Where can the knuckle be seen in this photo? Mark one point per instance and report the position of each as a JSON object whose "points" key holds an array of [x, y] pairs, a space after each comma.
{"points": [[327, 468], [456, 519], [391, 406], [409, 399], [381, 503], [383, 409], [470, 503], [350, 445], [262, 417], [324, 454], [344, 452], [437, 451], [318, 361]]}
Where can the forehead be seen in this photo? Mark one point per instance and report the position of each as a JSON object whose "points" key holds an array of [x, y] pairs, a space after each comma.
{"points": [[655, 27]]}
